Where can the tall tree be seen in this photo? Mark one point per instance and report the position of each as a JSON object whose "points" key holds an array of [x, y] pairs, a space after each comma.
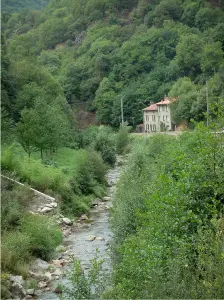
{"points": [[42, 127]]}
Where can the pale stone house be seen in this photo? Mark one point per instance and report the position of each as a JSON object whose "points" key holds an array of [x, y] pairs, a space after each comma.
{"points": [[157, 117]]}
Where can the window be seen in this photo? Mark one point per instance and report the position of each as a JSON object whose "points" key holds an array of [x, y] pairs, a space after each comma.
{"points": [[153, 117], [166, 107], [164, 118], [154, 127], [163, 108], [147, 128], [150, 127]]}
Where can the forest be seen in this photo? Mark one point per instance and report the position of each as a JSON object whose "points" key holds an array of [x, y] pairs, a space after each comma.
{"points": [[11, 6], [96, 51], [62, 56]]}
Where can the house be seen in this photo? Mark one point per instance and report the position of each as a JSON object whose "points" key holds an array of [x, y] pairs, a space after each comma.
{"points": [[157, 117]]}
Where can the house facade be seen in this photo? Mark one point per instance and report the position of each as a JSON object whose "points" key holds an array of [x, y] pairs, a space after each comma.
{"points": [[157, 117]]}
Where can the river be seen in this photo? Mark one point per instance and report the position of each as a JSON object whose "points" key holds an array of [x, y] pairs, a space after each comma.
{"points": [[93, 234]]}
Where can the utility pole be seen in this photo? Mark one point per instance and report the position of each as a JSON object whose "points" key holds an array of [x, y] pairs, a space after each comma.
{"points": [[207, 103], [122, 112]]}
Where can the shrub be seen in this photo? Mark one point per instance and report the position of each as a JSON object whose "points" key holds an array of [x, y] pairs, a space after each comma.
{"points": [[167, 241], [40, 176], [77, 205], [122, 139], [82, 286], [104, 143], [44, 235], [97, 165], [87, 136], [14, 200], [15, 252], [9, 160], [5, 286], [90, 171], [84, 175]]}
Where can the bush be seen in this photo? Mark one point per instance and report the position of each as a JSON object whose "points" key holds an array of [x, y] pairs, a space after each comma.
{"points": [[41, 177], [9, 160], [77, 205], [122, 139], [167, 219], [90, 171], [104, 143], [87, 136], [5, 286], [14, 200], [97, 165], [15, 252], [44, 235], [82, 286]]}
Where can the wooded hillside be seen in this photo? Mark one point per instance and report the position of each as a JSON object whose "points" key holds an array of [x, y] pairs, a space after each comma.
{"points": [[97, 51], [10, 6]]}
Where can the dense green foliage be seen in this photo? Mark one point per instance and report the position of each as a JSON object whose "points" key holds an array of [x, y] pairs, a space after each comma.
{"points": [[98, 51], [122, 139], [24, 236], [15, 201], [82, 286], [10, 6], [168, 219], [70, 174]]}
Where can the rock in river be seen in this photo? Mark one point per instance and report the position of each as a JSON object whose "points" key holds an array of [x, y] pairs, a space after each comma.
{"points": [[91, 238], [67, 221]]}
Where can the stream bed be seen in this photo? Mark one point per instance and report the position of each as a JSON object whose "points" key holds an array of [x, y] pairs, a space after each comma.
{"points": [[89, 236]]}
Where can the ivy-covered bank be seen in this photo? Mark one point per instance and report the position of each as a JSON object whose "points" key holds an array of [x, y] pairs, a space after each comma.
{"points": [[168, 219]]}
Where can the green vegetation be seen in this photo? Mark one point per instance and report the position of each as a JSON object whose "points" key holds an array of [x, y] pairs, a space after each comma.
{"points": [[122, 139], [70, 174], [10, 6], [37, 236], [24, 236], [84, 286], [43, 234], [97, 51], [168, 219]]}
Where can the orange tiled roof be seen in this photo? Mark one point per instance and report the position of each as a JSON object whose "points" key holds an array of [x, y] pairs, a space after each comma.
{"points": [[163, 102], [152, 107], [166, 100]]}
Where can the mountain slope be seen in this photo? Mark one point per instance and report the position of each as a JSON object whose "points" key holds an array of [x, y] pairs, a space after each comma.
{"points": [[101, 50], [10, 6]]}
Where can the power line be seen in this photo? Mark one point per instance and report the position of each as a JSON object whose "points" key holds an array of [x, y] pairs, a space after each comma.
{"points": [[122, 112], [207, 103]]}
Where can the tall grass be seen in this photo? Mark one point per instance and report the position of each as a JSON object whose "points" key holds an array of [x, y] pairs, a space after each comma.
{"points": [[67, 173]]}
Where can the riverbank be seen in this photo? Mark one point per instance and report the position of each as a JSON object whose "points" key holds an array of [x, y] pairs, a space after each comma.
{"points": [[90, 234]]}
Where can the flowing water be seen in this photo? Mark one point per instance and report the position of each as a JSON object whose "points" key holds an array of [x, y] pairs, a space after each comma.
{"points": [[96, 228]]}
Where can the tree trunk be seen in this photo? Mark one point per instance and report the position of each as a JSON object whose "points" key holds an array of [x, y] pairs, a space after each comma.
{"points": [[41, 154]]}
